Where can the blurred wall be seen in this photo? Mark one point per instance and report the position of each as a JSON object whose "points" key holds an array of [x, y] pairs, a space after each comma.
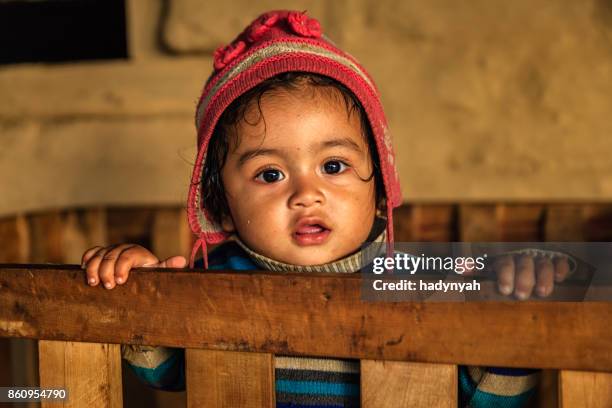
{"points": [[487, 100]]}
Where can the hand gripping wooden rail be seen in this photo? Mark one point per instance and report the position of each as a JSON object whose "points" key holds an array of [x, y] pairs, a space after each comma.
{"points": [[233, 323]]}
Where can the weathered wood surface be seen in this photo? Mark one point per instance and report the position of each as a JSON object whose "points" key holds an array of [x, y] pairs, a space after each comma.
{"points": [[217, 379], [585, 389], [390, 384], [90, 372], [295, 314]]}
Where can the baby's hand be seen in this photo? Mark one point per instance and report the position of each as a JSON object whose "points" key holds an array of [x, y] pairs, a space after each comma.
{"points": [[112, 264], [521, 273]]}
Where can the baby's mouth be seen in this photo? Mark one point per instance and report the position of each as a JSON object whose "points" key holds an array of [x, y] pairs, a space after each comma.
{"points": [[310, 229], [311, 233]]}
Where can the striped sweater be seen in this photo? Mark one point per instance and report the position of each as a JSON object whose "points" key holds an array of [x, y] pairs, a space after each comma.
{"points": [[321, 382]]}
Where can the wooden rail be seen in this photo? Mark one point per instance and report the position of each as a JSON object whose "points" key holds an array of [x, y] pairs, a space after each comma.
{"points": [[233, 323]]}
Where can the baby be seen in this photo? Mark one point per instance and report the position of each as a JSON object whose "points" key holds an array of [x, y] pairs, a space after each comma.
{"points": [[294, 172]]}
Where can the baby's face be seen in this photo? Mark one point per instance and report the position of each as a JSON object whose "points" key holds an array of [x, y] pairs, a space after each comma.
{"points": [[294, 184]]}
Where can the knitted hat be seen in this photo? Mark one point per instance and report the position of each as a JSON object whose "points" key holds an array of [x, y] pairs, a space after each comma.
{"points": [[277, 42]]}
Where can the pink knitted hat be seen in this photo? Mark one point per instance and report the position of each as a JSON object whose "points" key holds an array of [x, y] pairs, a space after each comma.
{"points": [[277, 42]]}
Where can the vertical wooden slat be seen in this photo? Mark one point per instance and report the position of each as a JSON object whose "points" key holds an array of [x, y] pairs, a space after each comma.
{"points": [[391, 384], [81, 230], [132, 225], [501, 222], [432, 222], [229, 379], [520, 222], [15, 248], [478, 223], [5, 368], [47, 243], [90, 372], [14, 239], [585, 389], [171, 234], [402, 223], [547, 395], [16, 242], [597, 222], [564, 222]]}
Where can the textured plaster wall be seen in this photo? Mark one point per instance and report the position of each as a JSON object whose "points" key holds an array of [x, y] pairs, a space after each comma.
{"points": [[487, 100]]}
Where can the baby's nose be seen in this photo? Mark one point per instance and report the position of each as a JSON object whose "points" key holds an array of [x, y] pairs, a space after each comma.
{"points": [[306, 193]]}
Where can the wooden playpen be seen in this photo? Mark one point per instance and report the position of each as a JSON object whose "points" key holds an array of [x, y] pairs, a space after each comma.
{"points": [[233, 324]]}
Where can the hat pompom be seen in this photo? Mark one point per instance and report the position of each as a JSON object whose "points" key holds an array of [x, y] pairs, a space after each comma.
{"points": [[262, 25], [303, 25], [226, 54]]}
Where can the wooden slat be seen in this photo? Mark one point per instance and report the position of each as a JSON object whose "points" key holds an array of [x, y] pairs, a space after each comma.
{"points": [[432, 222], [218, 379], [82, 230], [585, 389], [14, 239], [564, 222], [14, 247], [501, 222], [132, 225], [547, 395], [598, 222], [90, 372], [271, 312], [391, 384], [478, 223], [171, 234], [5, 357], [520, 222], [402, 224], [46, 231]]}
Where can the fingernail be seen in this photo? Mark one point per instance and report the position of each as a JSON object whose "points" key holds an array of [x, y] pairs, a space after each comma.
{"points": [[92, 281], [108, 285], [542, 291], [505, 289], [119, 280], [521, 295]]}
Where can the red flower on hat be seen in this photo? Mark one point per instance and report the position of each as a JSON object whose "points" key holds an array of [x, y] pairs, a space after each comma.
{"points": [[261, 26], [304, 25], [226, 54]]}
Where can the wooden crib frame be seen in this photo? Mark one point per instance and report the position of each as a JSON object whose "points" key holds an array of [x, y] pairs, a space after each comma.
{"points": [[233, 323]]}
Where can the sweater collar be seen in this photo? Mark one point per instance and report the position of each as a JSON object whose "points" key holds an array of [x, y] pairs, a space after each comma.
{"points": [[349, 264]]}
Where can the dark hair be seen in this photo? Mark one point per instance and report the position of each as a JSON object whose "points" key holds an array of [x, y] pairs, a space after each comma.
{"points": [[213, 197]]}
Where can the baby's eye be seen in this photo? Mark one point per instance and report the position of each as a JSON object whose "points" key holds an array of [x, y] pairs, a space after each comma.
{"points": [[270, 176], [334, 167]]}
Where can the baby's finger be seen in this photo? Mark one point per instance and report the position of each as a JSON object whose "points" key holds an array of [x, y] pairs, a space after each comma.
{"points": [[88, 254], [174, 262], [562, 269], [525, 277], [504, 269], [132, 256], [544, 276], [93, 266], [107, 265]]}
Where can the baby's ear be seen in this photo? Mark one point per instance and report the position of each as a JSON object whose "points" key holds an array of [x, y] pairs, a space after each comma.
{"points": [[227, 224]]}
